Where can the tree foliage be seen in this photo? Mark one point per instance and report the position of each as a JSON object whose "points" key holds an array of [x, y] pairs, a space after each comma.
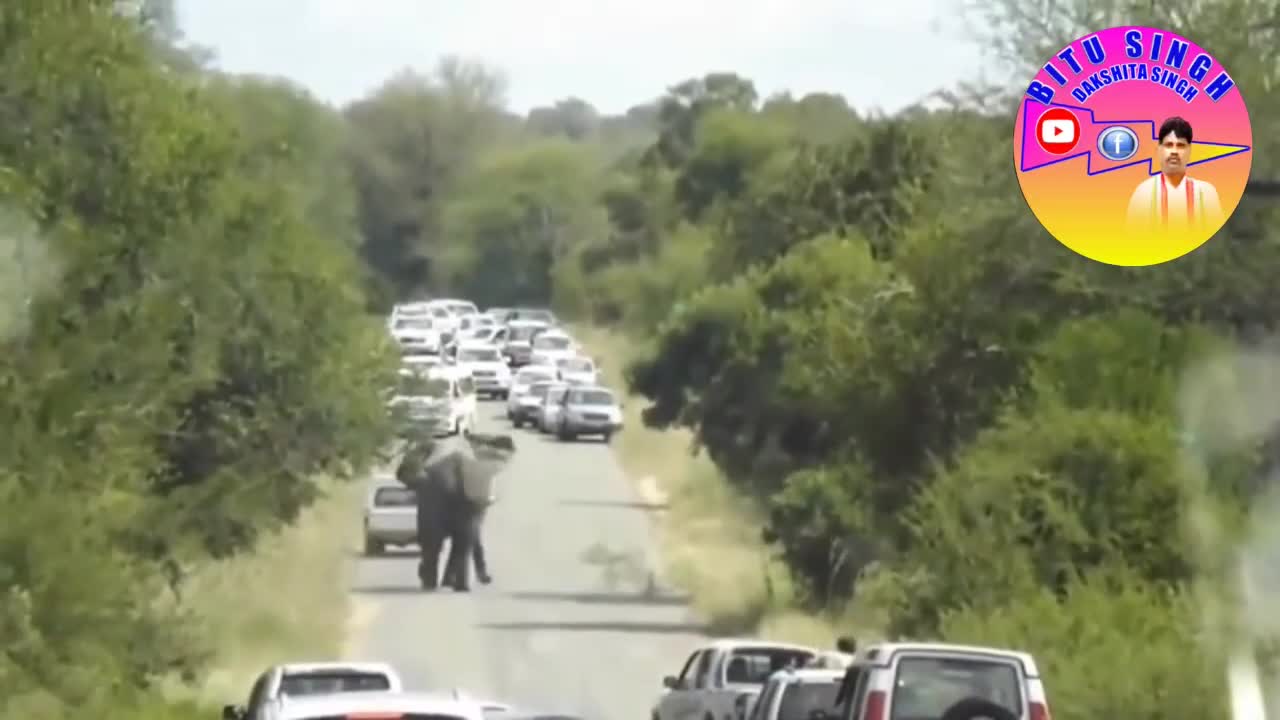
{"points": [[185, 342], [944, 413]]}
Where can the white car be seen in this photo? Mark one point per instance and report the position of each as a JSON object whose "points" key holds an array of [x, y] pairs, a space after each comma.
{"points": [[416, 334], [420, 363], [390, 517], [380, 706], [296, 680], [524, 378], [723, 679], [588, 410], [551, 347], [458, 307], [487, 366], [579, 370], [804, 694], [519, 341], [443, 400], [926, 679]]}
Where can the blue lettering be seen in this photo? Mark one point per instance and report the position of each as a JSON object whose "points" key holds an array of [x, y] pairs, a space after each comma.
{"points": [[1039, 91], [1133, 44], [1093, 49], [1068, 56], [1079, 94], [1156, 41], [1200, 67], [1056, 74], [1190, 94], [1219, 86], [1177, 54]]}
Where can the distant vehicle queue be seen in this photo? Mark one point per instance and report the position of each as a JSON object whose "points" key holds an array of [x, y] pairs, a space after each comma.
{"points": [[453, 354]]}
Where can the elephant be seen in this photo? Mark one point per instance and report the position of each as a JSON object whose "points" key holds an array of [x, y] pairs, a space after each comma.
{"points": [[454, 491]]}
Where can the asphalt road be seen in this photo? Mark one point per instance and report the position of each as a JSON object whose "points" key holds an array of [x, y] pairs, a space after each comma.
{"points": [[573, 621]]}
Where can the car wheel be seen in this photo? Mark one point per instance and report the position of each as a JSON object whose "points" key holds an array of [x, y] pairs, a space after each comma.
{"points": [[608, 438], [564, 434], [372, 547]]}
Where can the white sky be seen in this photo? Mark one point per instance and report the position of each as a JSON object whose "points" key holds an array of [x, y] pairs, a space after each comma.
{"points": [[612, 53]]}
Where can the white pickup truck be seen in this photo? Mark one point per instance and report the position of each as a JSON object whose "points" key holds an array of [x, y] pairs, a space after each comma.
{"points": [[721, 680]]}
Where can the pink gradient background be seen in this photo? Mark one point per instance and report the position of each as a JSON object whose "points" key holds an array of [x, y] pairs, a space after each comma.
{"points": [[1087, 214]]}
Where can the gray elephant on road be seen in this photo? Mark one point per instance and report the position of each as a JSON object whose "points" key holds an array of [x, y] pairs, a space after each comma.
{"points": [[454, 489]]}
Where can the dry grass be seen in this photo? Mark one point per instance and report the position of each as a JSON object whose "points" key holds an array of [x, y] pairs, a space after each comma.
{"points": [[288, 600], [710, 535]]}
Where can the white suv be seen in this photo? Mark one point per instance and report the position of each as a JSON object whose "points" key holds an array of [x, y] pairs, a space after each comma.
{"points": [[487, 366], [910, 680]]}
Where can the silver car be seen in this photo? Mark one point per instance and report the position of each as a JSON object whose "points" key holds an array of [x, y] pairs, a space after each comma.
{"points": [[589, 410], [390, 517]]}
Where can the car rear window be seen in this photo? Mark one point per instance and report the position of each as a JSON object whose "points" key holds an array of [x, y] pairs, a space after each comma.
{"points": [[800, 699], [925, 687], [394, 497], [753, 666], [321, 683]]}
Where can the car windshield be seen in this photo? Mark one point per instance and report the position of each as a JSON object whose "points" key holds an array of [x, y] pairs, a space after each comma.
{"points": [[463, 308], [440, 312], [551, 342], [753, 666], [591, 397], [323, 683], [479, 355], [413, 323], [418, 386], [926, 687], [576, 365], [524, 377], [394, 496], [525, 332], [799, 700]]}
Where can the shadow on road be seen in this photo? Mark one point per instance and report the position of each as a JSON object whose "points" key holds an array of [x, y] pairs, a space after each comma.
{"points": [[621, 627], [410, 587], [625, 504], [604, 598]]}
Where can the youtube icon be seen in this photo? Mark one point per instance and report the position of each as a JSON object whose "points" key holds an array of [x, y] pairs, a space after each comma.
{"points": [[1058, 131]]}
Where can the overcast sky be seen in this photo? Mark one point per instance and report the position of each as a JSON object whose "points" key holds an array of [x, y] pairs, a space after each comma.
{"points": [[612, 53]]}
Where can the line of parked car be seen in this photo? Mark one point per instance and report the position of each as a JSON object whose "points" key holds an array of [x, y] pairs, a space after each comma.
{"points": [[752, 679], [370, 690], [454, 354]]}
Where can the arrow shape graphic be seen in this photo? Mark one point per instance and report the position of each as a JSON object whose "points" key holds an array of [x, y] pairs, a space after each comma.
{"points": [[1032, 157]]}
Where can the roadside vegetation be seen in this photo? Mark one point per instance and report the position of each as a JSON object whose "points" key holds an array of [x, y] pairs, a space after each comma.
{"points": [[915, 413], [187, 355]]}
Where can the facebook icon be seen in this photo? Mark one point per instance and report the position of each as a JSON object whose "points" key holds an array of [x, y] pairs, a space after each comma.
{"points": [[1117, 143]]}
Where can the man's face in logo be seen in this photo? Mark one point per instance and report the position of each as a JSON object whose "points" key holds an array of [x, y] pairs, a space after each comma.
{"points": [[1175, 153]]}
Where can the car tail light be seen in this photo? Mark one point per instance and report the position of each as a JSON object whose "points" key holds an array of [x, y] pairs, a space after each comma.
{"points": [[1040, 711], [875, 705]]}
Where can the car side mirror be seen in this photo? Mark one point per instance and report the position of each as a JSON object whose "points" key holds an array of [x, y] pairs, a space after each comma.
{"points": [[670, 682]]}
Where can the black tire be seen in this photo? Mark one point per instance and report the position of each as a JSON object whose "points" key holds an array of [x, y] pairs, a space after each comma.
{"points": [[608, 438], [517, 422], [973, 708], [564, 434], [372, 547]]}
